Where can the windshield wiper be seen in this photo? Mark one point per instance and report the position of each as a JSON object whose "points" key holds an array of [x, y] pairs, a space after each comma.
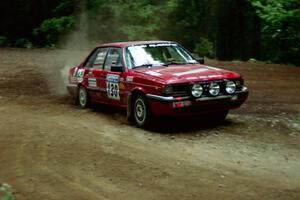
{"points": [[173, 63], [192, 62], [142, 66]]}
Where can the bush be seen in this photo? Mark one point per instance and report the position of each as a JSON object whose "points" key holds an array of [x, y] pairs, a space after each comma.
{"points": [[4, 42], [205, 48], [5, 192], [51, 29], [280, 29], [65, 8], [23, 43]]}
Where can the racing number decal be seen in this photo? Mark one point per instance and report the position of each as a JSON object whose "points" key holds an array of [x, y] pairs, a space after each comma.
{"points": [[113, 90], [112, 86]]}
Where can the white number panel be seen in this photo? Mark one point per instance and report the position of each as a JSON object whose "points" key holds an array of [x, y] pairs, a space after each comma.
{"points": [[112, 90], [112, 86]]}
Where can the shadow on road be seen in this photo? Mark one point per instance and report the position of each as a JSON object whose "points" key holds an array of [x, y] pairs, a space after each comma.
{"points": [[176, 125], [167, 125]]}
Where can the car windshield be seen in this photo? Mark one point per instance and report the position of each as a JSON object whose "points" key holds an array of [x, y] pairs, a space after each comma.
{"points": [[157, 55]]}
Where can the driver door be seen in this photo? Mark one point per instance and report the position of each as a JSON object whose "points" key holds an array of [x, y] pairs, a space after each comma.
{"points": [[113, 80]]}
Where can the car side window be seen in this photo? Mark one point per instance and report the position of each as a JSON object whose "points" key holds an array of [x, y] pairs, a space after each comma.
{"points": [[100, 58], [97, 59], [114, 58], [129, 59], [89, 63]]}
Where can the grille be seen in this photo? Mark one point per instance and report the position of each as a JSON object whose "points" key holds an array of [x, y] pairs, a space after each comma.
{"points": [[181, 89]]}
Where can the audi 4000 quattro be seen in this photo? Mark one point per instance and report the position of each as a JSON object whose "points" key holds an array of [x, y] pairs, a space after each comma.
{"points": [[152, 79]]}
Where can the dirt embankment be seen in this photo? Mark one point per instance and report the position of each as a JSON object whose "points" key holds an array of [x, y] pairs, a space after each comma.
{"points": [[50, 149]]}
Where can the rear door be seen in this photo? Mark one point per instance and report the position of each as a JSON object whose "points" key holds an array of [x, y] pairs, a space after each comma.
{"points": [[95, 71]]}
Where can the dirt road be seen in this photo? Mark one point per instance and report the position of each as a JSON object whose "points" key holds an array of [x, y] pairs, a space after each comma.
{"points": [[50, 149]]}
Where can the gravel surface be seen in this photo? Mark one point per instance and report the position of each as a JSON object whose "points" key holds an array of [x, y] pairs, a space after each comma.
{"points": [[50, 149]]}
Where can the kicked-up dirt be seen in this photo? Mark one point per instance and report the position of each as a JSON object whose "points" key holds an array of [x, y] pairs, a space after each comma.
{"points": [[50, 149]]}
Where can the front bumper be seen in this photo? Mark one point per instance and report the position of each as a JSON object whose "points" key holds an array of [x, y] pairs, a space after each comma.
{"points": [[175, 106]]}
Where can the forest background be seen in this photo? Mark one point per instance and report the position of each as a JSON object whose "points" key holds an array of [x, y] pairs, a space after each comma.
{"points": [[266, 30]]}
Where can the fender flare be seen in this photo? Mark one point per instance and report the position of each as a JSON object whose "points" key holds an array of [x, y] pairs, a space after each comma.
{"points": [[133, 92]]}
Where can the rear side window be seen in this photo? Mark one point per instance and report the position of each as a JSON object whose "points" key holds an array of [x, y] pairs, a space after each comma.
{"points": [[97, 59], [100, 58]]}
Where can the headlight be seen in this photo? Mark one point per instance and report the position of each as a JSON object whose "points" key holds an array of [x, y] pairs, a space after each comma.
{"points": [[214, 89], [230, 87], [197, 90]]}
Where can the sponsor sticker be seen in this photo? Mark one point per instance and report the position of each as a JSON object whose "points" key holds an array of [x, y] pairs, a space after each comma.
{"points": [[79, 75], [121, 86], [113, 78], [129, 78], [92, 82]]}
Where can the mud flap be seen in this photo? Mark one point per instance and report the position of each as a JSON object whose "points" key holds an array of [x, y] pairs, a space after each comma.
{"points": [[129, 109]]}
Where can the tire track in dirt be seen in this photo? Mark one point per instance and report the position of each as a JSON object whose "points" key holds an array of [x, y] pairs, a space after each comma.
{"points": [[52, 150]]}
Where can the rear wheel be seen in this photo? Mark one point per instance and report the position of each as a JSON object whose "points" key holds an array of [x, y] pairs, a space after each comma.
{"points": [[141, 113], [83, 98]]}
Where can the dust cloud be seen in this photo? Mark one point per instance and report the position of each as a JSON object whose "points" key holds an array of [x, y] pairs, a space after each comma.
{"points": [[72, 50]]}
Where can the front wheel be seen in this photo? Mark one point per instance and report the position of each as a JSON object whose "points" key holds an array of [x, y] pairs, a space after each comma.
{"points": [[83, 98], [141, 113]]}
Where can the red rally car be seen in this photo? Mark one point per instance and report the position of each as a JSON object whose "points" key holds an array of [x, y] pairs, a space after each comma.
{"points": [[152, 79]]}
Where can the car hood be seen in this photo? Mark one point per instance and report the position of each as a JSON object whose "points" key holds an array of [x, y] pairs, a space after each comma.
{"points": [[187, 73]]}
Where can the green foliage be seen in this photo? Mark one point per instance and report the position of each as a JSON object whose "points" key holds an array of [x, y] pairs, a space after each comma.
{"points": [[205, 48], [145, 29], [51, 29], [124, 20], [227, 29], [4, 42], [280, 29], [23, 43], [5, 192], [65, 8], [92, 4]]}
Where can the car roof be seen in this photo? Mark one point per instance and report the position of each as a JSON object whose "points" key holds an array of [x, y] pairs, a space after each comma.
{"points": [[133, 43]]}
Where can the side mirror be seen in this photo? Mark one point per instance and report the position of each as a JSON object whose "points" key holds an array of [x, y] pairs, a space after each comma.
{"points": [[200, 60], [116, 68]]}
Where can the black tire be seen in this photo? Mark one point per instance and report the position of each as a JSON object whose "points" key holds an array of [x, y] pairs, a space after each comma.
{"points": [[141, 113], [83, 98]]}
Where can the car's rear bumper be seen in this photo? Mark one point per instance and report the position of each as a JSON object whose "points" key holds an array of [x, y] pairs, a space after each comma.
{"points": [[177, 106]]}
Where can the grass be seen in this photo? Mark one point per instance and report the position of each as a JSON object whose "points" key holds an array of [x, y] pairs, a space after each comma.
{"points": [[5, 192]]}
